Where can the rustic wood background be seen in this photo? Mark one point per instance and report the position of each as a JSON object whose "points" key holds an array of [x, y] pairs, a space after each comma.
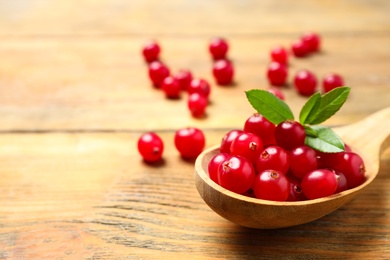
{"points": [[75, 97]]}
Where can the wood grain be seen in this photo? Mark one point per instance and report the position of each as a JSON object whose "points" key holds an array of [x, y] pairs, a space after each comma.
{"points": [[90, 196], [74, 98], [102, 84], [52, 18]]}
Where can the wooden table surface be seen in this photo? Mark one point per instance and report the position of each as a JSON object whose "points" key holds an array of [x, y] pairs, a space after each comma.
{"points": [[75, 97]]}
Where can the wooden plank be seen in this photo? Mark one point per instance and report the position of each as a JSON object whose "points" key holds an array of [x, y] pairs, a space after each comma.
{"points": [[102, 83], [150, 17], [85, 195], [74, 97]]}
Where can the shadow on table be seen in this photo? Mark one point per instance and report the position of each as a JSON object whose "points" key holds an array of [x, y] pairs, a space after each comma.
{"points": [[356, 229]]}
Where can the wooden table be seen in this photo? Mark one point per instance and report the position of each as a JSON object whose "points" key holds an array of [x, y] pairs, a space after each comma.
{"points": [[75, 97]]}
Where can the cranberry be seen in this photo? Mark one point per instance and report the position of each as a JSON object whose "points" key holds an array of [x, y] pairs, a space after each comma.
{"points": [[190, 142], [228, 139], [342, 183], [352, 166], [332, 81], [223, 72], [312, 41], [279, 54], [247, 145], [151, 147], [275, 158], [299, 48], [277, 74], [197, 104], [290, 134], [158, 72], [327, 160], [218, 48], [236, 174], [277, 93], [295, 192], [319, 183], [184, 78], [151, 51], [171, 87], [200, 86], [303, 160], [214, 165], [305, 82], [260, 126], [271, 185]]}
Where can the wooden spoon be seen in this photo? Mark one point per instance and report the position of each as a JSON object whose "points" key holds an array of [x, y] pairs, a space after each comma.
{"points": [[368, 138]]}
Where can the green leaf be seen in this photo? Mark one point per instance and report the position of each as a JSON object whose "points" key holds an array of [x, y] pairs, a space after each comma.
{"points": [[267, 104], [310, 107], [330, 103], [310, 131], [326, 141]]}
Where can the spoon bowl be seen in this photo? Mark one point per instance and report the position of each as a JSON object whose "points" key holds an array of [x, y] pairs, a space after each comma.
{"points": [[368, 138]]}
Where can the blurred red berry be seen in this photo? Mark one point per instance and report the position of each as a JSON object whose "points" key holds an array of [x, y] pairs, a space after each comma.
{"points": [[279, 54], [332, 81], [223, 72], [218, 48], [151, 51], [312, 41]]}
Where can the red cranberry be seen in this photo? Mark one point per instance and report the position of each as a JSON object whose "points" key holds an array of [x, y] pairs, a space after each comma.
{"points": [[214, 165], [171, 87], [279, 54], [223, 72], [190, 142], [319, 183], [260, 126], [197, 104], [299, 48], [151, 147], [312, 41], [277, 74], [273, 157], [296, 193], [328, 160], [200, 86], [305, 82], [271, 185], [228, 139], [218, 48], [151, 51], [303, 160], [332, 81], [247, 145], [236, 174], [342, 183], [157, 73], [184, 78], [352, 166], [290, 134]]}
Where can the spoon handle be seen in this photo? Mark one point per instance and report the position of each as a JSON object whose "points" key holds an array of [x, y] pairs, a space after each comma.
{"points": [[371, 134]]}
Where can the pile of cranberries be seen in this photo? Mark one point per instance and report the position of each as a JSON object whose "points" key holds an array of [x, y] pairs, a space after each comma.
{"points": [[198, 89], [160, 76], [304, 81], [272, 162], [262, 160]]}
